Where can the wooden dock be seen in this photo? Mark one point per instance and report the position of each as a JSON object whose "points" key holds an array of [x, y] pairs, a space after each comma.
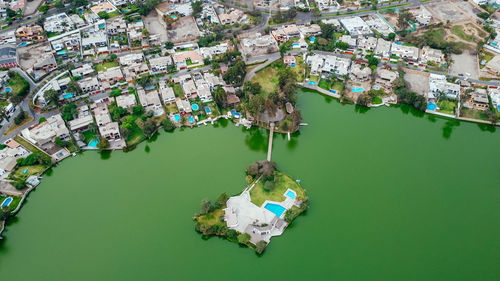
{"points": [[270, 146]]}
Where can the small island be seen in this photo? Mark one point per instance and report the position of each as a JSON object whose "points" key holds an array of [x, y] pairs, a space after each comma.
{"points": [[264, 209]]}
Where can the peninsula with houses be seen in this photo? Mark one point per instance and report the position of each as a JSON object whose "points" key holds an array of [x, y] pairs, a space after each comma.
{"points": [[108, 74]]}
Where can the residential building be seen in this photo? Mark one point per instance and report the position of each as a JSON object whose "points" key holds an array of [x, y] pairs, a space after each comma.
{"points": [[235, 16], [367, 43], [111, 75], [83, 71], [132, 58], [439, 84], [187, 59], [183, 105], [160, 64], [104, 6], [30, 33], [257, 44], [135, 70], [90, 85], [360, 73], [495, 97], [189, 89], [429, 55], [478, 100], [150, 101], [328, 64], [47, 131], [58, 23], [83, 121], [8, 56], [307, 30], [355, 26], [405, 52], [289, 60], [383, 48], [167, 93], [204, 94], [210, 52], [126, 101], [351, 41], [385, 78]]}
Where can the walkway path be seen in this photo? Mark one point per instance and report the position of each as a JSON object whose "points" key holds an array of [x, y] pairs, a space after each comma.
{"points": [[270, 146]]}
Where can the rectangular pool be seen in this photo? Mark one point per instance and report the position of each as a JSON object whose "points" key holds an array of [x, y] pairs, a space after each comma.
{"points": [[275, 209], [290, 194], [6, 202]]}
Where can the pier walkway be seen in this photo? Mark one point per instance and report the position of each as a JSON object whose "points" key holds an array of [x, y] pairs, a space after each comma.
{"points": [[270, 146]]}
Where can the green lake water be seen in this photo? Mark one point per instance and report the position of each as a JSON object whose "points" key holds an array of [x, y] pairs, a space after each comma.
{"points": [[394, 196]]}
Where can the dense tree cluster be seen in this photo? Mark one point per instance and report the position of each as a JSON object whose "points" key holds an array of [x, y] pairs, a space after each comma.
{"points": [[236, 73], [406, 97], [281, 17], [262, 168]]}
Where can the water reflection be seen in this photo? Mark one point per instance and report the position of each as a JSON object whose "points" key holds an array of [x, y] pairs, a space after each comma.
{"points": [[256, 140], [448, 127], [361, 109], [147, 149], [105, 154], [487, 127]]}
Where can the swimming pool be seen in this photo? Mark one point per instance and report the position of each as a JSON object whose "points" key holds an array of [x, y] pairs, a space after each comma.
{"points": [[207, 110], [177, 117], [290, 194], [6, 202], [357, 90], [68, 95], [431, 106], [275, 209], [195, 107], [235, 114], [61, 52], [22, 44], [93, 143], [8, 89], [312, 83], [191, 119], [333, 91]]}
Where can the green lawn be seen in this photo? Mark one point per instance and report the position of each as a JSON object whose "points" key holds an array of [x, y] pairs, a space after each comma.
{"points": [[447, 106], [114, 14], [31, 147], [459, 31], [178, 91], [106, 65], [314, 78], [474, 114], [259, 195], [324, 84], [376, 100], [136, 134], [268, 78], [13, 204], [212, 218], [18, 84], [32, 170], [338, 86]]}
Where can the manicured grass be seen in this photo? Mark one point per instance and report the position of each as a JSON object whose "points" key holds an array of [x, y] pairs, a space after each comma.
{"points": [[178, 91], [259, 195], [299, 69], [459, 31], [13, 205], [114, 14], [136, 134], [18, 84], [212, 218], [324, 84], [447, 106], [106, 65], [31, 147], [338, 86], [376, 100], [267, 78], [314, 78], [474, 114], [32, 170]]}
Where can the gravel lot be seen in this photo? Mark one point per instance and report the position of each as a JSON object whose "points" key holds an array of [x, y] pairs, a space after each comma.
{"points": [[418, 83], [465, 63]]}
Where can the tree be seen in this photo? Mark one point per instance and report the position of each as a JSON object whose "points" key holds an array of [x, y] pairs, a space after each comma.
{"points": [[391, 36], [137, 110], [252, 88], [52, 96], [327, 30], [484, 15], [149, 127], [260, 247], [11, 13], [169, 45], [59, 4], [206, 207], [69, 111], [44, 8], [103, 15], [244, 238], [342, 45], [167, 125], [74, 87], [372, 60], [269, 185], [3, 113], [103, 144], [220, 96], [404, 19], [197, 8], [253, 169], [236, 73], [115, 92], [18, 120], [364, 99]]}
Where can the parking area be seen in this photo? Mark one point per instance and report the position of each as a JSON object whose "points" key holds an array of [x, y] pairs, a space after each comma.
{"points": [[465, 64], [445, 11]]}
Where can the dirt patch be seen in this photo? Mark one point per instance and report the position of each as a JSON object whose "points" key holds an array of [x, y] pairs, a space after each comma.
{"points": [[154, 26], [418, 83], [184, 30], [465, 64], [391, 17], [31, 7]]}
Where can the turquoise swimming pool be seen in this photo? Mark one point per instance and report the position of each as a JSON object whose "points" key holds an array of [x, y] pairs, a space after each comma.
{"points": [[6, 202], [194, 106], [93, 143], [68, 95], [177, 117], [191, 119], [290, 194], [357, 90], [275, 209]]}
